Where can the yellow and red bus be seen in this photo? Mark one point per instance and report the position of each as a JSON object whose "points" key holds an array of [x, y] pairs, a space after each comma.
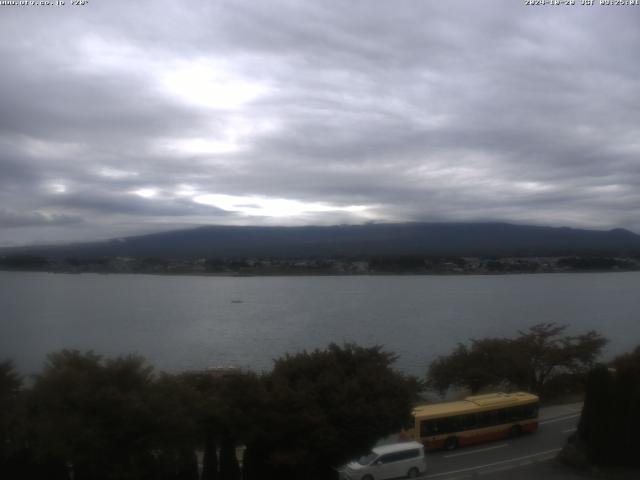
{"points": [[475, 419]]}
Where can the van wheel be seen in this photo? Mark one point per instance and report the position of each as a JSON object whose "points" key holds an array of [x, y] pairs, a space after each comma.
{"points": [[413, 473], [515, 431], [367, 477], [451, 443]]}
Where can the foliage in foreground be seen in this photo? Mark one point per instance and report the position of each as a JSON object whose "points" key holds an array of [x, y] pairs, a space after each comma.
{"points": [[610, 421], [541, 359], [329, 406], [97, 418]]}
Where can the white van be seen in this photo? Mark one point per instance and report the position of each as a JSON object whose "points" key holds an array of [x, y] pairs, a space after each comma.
{"points": [[388, 461]]}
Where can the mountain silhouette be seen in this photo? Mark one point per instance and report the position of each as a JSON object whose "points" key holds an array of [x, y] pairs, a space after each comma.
{"points": [[400, 239]]}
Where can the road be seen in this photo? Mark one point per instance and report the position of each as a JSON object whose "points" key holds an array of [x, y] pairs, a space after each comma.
{"points": [[495, 460]]}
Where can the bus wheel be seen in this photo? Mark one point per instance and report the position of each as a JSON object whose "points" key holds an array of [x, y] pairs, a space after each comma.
{"points": [[451, 443], [413, 473], [515, 431]]}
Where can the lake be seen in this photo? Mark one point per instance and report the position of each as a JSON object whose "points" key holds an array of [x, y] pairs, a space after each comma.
{"points": [[192, 322]]}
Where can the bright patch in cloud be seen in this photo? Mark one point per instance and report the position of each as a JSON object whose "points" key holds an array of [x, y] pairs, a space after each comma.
{"points": [[197, 146], [145, 192], [532, 186], [201, 82], [58, 188], [100, 53], [184, 190], [271, 207], [116, 173], [207, 84]]}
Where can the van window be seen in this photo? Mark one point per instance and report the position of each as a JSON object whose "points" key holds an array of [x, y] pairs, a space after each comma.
{"points": [[399, 456], [388, 458], [367, 459], [406, 455]]}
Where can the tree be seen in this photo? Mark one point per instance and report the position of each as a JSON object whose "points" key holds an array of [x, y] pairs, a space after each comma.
{"points": [[628, 361], [94, 414], [205, 413], [542, 353], [626, 410], [485, 362], [229, 468], [210, 457], [595, 422], [177, 407], [610, 418], [327, 407], [10, 384], [230, 405], [531, 361]]}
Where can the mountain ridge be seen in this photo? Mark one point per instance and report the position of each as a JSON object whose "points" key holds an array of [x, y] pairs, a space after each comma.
{"points": [[367, 240]]}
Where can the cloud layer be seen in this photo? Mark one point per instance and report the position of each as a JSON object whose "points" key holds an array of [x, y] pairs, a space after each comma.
{"points": [[120, 118]]}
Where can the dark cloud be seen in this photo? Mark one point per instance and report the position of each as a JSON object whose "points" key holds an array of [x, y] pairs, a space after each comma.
{"points": [[104, 203], [155, 115], [10, 219]]}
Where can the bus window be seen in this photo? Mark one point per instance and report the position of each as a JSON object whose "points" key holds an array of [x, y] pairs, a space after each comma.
{"points": [[440, 426], [449, 425], [513, 414], [529, 411], [487, 419], [469, 421], [428, 428]]}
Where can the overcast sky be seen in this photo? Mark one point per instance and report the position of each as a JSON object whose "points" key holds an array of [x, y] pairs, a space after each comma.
{"points": [[123, 117]]}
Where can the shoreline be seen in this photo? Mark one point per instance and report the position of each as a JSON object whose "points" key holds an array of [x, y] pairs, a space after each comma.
{"points": [[316, 274]]}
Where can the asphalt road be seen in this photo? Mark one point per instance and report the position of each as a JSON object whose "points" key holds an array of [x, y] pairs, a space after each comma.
{"points": [[495, 460]]}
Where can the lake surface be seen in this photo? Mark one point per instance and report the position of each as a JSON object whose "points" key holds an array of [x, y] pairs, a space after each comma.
{"points": [[182, 322]]}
